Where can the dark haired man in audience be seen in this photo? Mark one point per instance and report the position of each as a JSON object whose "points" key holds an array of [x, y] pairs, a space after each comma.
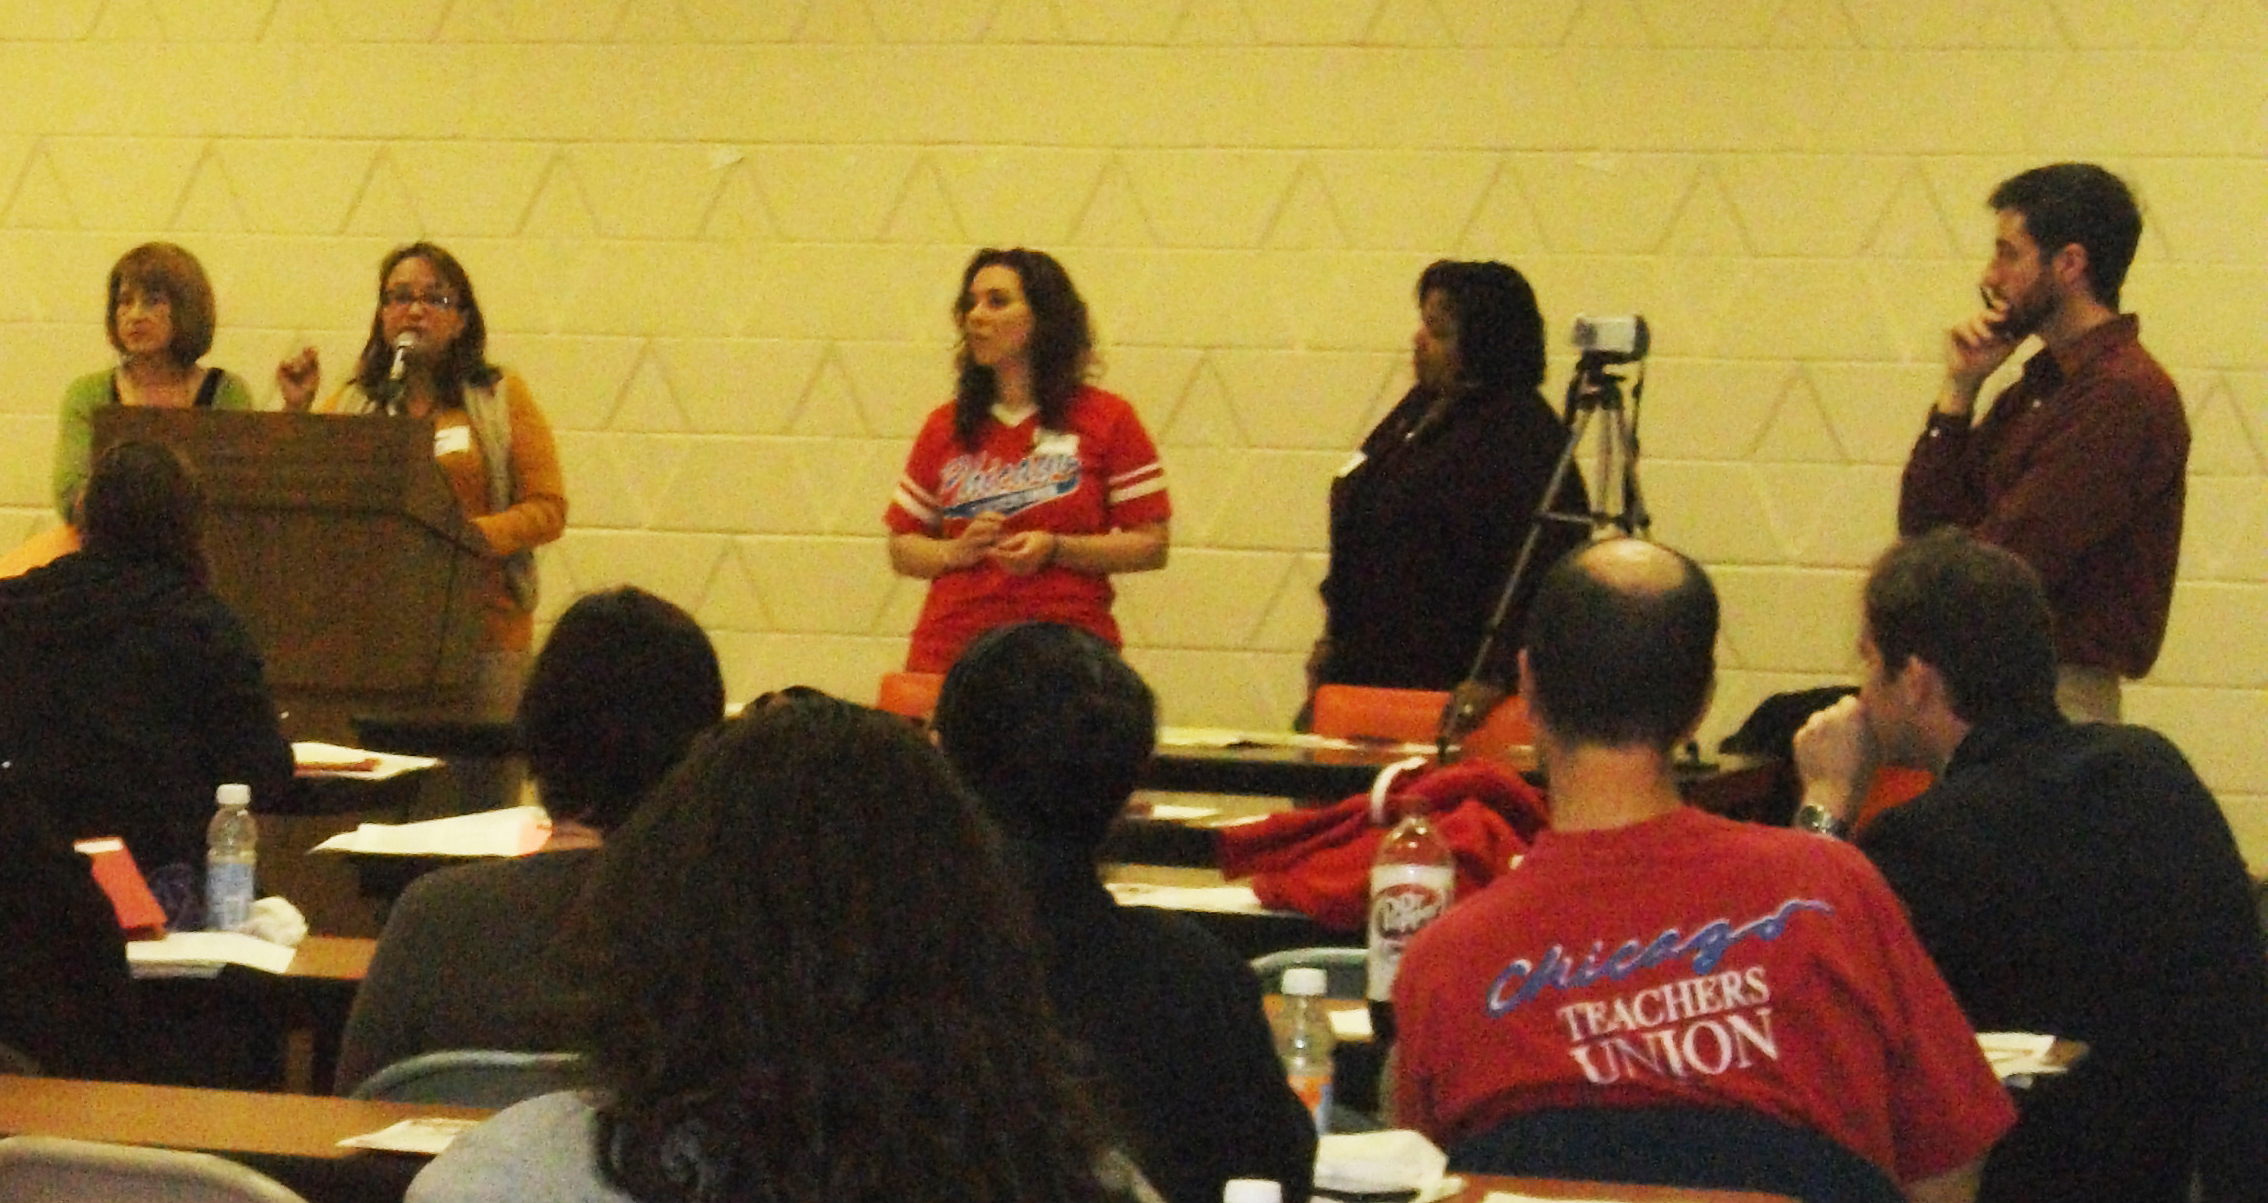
{"points": [[2071, 879], [2078, 467], [1051, 728], [623, 686], [1646, 954]]}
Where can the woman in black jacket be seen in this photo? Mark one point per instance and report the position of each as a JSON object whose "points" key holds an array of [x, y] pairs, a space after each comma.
{"points": [[131, 691]]}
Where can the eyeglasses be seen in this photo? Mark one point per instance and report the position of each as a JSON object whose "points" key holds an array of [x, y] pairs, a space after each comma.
{"points": [[402, 298]]}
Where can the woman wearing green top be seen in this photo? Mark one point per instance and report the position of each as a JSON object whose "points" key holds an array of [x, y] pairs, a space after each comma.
{"points": [[160, 319]]}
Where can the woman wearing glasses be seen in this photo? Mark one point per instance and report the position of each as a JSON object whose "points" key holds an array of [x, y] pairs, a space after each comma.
{"points": [[160, 321], [427, 357]]}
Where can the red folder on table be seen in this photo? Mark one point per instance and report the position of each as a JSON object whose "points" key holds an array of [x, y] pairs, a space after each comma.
{"points": [[139, 915]]}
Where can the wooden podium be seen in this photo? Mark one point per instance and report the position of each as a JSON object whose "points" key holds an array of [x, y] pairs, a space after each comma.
{"points": [[337, 542]]}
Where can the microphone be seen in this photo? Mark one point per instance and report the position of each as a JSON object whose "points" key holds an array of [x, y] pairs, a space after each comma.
{"points": [[403, 344]]}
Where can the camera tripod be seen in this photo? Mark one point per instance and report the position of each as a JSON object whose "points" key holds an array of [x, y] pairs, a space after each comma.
{"points": [[1617, 504]]}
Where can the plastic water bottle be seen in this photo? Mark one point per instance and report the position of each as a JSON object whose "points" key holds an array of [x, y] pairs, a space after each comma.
{"points": [[1304, 1041], [232, 845], [1412, 881], [1252, 1190]]}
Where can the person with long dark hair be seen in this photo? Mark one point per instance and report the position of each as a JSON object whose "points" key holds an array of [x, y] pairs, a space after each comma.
{"points": [[131, 691], [624, 684], [810, 978], [1031, 488], [427, 357], [1428, 517], [159, 314]]}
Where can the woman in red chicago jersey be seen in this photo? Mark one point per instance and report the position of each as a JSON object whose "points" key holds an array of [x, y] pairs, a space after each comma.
{"points": [[1028, 490]]}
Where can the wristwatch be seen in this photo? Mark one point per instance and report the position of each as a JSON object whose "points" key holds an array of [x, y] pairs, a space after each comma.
{"points": [[1815, 818]]}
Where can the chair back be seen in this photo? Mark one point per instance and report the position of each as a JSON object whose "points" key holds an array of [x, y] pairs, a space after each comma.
{"points": [[1413, 716], [51, 1169], [1713, 1147], [472, 1077], [1346, 971], [1891, 787], [913, 695]]}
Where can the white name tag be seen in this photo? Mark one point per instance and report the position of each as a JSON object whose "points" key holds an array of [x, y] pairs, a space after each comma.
{"points": [[451, 440], [1056, 442]]}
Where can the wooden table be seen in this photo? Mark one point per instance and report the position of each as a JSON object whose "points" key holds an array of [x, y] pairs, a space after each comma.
{"points": [[292, 1138], [265, 1031], [343, 959]]}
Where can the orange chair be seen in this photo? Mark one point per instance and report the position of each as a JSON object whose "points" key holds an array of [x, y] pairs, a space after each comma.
{"points": [[46, 547], [1891, 787], [913, 695], [1414, 716]]}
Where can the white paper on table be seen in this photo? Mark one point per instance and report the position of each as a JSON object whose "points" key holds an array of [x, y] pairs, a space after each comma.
{"points": [[427, 1134], [389, 765], [1169, 812], [509, 832], [1372, 1162], [1351, 1023], [1220, 900], [202, 953], [2017, 1056]]}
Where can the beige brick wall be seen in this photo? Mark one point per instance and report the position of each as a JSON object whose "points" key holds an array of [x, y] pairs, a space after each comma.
{"points": [[719, 236]]}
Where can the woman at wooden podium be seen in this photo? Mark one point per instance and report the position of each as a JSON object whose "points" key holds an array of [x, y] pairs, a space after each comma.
{"points": [[160, 317], [427, 357]]}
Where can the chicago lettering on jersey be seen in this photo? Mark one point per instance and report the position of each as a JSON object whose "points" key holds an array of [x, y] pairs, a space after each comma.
{"points": [[969, 485], [1523, 980]]}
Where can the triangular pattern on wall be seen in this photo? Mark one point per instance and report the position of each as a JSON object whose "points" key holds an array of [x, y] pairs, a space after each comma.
{"points": [[1913, 223], [1202, 415], [924, 212], [210, 203], [40, 202], [384, 207], [1503, 226], [739, 212], [1798, 430], [829, 405], [559, 209], [1706, 224], [648, 400], [1306, 218], [1113, 215], [2219, 443], [1024, 196], [730, 600]]}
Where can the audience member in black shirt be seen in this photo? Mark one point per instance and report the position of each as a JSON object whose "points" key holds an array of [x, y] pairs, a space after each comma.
{"points": [[1050, 728]]}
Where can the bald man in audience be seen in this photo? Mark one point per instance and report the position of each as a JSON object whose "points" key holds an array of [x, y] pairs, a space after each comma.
{"points": [[2070, 879], [1646, 954]]}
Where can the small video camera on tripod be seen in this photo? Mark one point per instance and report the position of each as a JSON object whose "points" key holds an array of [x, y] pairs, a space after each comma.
{"points": [[1617, 504]]}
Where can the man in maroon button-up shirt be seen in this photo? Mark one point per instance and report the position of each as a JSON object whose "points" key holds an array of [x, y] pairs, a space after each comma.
{"points": [[2078, 466]]}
